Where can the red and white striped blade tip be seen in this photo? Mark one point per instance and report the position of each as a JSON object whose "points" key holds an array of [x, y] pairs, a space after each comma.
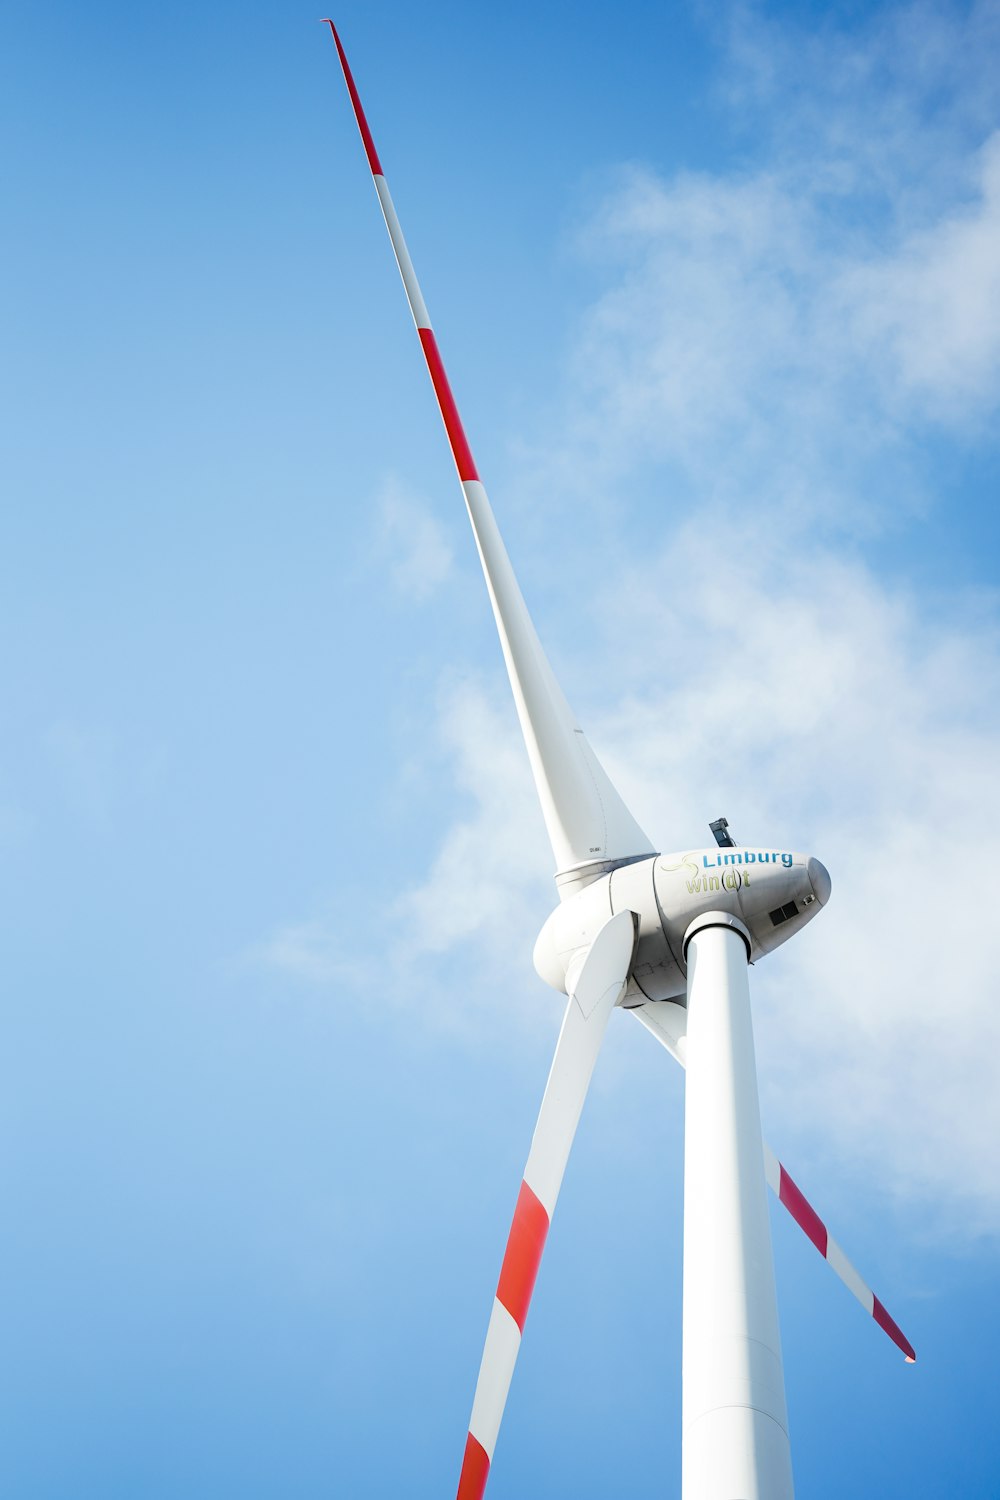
{"points": [[791, 1197], [359, 113]]}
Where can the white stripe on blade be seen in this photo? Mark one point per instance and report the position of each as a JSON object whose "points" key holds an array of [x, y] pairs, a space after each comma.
{"points": [[838, 1262], [503, 1339], [772, 1170], [413, 294]]}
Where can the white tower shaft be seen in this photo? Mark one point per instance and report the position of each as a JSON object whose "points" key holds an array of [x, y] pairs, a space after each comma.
{"points": [[735, 1443]]}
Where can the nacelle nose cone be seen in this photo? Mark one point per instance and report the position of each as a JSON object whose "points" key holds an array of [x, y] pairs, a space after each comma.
{"points": [[819, 879]]}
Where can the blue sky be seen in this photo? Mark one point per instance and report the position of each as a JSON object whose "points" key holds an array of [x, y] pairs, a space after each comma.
{"points": [[718, 291]]}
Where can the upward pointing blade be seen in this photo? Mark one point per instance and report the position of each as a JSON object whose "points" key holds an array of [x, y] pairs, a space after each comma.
{"points": [[587, 821]]}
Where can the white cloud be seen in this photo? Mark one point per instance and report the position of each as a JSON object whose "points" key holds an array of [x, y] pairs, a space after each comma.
{"points": [[878, 109], [771, 348], [485, 881], [931, 312], [823, 711], [737, 342], [313, 950], [830, 712], [795, 324], [485, 895], [414, 542], [774, 343], [816, 708]]}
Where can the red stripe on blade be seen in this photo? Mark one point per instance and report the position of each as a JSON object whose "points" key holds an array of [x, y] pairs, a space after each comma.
{"points": [[446, 401], [523, 1255], [803, 1213], [475, 1468], [359, 113], [893, 1329]]}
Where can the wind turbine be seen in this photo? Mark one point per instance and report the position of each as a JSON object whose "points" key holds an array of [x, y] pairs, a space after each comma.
{"points": [[668, 938]]}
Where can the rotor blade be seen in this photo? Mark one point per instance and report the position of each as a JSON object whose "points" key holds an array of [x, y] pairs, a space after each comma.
{"points": [[668, 1023], [667, 1020], [812, 1225], [587, 821], [593, 994]]}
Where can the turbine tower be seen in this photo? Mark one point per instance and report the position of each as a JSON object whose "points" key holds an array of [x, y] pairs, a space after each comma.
{"points": [[669, 939]]}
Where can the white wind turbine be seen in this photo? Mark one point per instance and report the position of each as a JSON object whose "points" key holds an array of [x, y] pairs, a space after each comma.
{"points": [[667, 938]]}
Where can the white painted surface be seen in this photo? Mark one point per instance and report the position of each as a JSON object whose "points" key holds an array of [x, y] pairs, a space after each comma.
{"points": [[735, 1443], [772, 1171], [585, 817], [503, 1339], [599, 982], [413, 294], [848, 1275], [598, 985], [668, 1023]]}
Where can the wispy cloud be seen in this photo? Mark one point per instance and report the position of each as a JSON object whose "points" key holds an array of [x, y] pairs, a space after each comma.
{"points": [[413, 541], [481, 897], [773, 346], [831, 712], [793, 327], [928, 316], [315, 950], [776, 343], [821, 709], [487, 878]]}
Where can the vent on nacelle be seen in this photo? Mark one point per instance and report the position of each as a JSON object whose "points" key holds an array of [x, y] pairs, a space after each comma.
{"points": [[782, 913]]}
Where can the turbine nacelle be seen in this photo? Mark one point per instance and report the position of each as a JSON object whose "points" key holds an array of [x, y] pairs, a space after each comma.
{"points": [[773, 892]]}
